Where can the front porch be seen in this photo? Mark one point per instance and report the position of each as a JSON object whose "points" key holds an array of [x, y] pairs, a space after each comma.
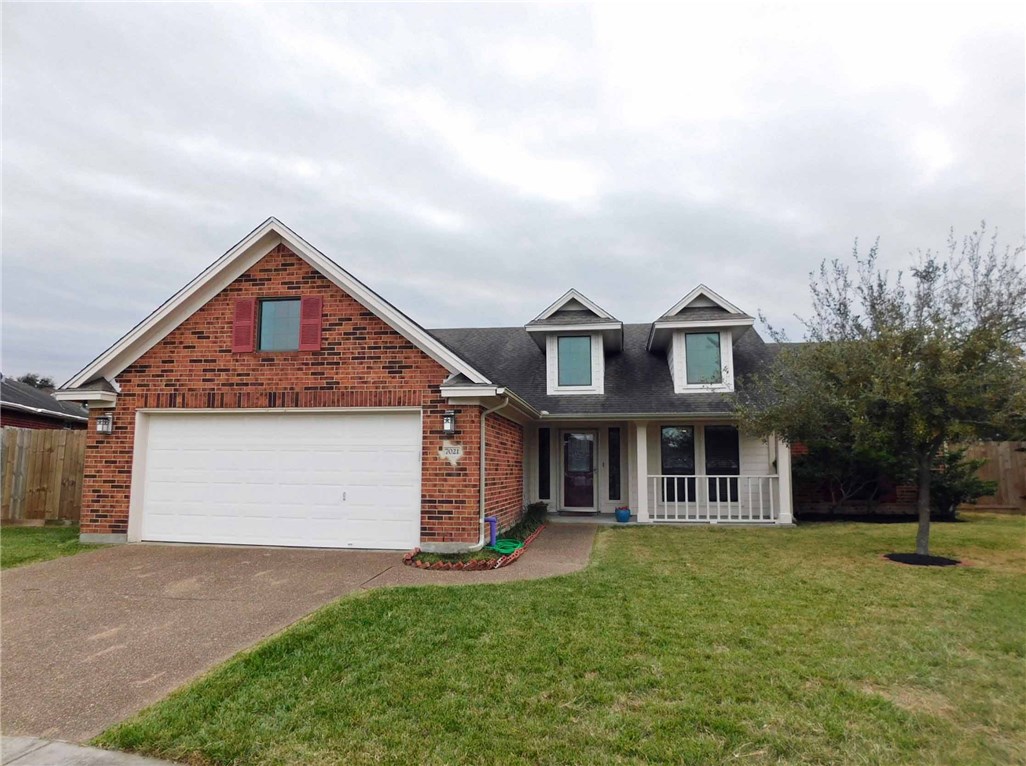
{"points": [[668, 470]]}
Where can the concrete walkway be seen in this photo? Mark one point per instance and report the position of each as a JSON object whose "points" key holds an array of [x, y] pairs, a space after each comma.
{"points": [[90, 639], [30, 751]]}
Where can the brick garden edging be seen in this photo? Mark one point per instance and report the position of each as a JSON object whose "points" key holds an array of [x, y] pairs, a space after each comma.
{"points": [[471, 566]]}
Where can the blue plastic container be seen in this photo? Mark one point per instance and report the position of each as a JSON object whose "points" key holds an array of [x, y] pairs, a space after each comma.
{"points": [[623, 515]]}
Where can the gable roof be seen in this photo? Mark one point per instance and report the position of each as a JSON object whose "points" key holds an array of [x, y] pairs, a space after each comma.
{"points": [[573, 301], [702, 307], [637, 381], [226, 270], [710, 297], [21, 396]]}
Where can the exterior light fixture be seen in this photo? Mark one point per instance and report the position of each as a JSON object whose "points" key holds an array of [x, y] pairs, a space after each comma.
{"points": [[105, 423], [449, 422]]}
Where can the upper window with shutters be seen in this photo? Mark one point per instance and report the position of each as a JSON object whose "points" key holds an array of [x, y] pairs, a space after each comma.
{"points": [[277, 324]]}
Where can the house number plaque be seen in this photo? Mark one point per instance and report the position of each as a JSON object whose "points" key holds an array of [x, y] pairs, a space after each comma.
{"points": [[451, 451]]}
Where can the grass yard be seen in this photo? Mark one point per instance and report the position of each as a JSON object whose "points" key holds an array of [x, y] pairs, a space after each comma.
{"points": [[677, 645], [27, 545]]}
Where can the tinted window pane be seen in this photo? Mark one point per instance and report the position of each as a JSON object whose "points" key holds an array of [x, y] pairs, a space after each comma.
{"points": [[722, 458], [574, 360], [677, 456], [544, 455], [703, 357], [279, 325], [614, 463]]}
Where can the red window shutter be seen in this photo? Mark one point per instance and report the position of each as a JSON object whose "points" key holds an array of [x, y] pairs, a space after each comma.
{"points": [[244, 325], [310, 323]]}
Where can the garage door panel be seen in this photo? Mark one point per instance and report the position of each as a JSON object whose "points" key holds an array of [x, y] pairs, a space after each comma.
{"points": [[318, 479]]}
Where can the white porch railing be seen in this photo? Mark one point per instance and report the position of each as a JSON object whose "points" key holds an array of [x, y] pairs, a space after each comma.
{"points": [[714, 499]]}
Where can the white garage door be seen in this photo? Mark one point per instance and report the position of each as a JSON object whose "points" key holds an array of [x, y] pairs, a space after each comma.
{"points": [[336, 480]]}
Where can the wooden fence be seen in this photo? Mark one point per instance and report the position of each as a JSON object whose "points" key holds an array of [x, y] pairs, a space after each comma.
{"points": [[42, 474], [1006, 464]]}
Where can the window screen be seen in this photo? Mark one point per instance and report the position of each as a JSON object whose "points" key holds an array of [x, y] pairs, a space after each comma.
{"points": [[677, 454], [722, 458], [279, 325], [702, 357], [574, 353]]}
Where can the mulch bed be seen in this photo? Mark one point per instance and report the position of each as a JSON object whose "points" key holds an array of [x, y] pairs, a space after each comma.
{"points": [[410, 559], [919, 560]]}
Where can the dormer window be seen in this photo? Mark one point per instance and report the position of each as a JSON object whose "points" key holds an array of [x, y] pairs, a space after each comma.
{"points": [[697, 334], [574, 363], [576, 334], [702, 359]]}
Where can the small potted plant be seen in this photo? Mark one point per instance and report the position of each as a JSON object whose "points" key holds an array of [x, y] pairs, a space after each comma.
{"points": [[623, 514]]}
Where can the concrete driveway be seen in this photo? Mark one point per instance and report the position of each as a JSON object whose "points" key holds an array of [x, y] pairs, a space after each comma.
{"points": [[90, 639]]}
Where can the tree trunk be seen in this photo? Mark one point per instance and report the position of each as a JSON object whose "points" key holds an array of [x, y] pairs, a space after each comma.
{"points": [[923, 504]]}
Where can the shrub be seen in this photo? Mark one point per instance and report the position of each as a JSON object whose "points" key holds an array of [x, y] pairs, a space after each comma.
{"points": [[955, 481]]}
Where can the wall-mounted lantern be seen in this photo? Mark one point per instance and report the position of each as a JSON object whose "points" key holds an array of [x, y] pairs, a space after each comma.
{"points": [[105, 423], [449, 422]]}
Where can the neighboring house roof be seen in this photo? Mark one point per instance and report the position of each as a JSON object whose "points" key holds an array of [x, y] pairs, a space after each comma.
{"points": [[229, 267], [20, 396], [637, 381]]}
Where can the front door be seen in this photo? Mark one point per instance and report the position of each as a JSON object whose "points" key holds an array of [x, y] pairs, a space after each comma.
{"points": [[579, 470]]}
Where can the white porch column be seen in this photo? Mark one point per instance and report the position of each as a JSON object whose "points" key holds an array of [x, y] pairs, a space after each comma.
{"points": [[785, 515], [641, 455]]}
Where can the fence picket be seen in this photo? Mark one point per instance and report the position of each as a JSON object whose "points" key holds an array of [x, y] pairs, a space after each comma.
{"points": [[42, 474]]}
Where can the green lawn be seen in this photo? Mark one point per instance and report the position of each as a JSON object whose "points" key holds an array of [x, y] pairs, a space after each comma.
{"points": [[27, 545], [676, 645]]}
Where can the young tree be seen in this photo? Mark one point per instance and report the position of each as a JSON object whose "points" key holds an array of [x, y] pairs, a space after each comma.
{"points": [[898, 369]]}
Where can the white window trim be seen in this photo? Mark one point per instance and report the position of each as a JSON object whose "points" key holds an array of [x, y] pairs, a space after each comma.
{"points": [[679, 369], [598, 365]]}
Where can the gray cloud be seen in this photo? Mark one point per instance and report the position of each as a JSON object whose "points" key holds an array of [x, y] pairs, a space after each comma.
{"points": [[473, 162]]}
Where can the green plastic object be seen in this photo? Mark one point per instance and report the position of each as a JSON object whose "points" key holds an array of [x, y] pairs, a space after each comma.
{"points": [[506, 547]]}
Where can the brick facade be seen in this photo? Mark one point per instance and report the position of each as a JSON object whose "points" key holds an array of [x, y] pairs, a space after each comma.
{"points": [[504, 470], [362, 363], [811, 498]]}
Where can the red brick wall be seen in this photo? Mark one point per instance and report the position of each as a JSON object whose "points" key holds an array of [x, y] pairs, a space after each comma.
{"points": [[362, 363], [504, 470], [18, 419]]}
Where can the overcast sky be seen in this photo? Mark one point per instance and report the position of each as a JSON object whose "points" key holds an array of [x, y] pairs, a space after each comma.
{"points": [[471, 163]]}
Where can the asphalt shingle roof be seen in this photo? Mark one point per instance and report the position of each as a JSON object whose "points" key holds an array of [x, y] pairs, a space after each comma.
{"points": [[637, 380], [561, 318], [705, 313]]}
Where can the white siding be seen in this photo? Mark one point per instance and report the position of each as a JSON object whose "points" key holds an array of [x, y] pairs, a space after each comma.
{"points": [[755, 457], [674, 374]]}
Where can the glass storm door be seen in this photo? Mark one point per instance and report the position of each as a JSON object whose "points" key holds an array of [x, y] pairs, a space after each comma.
{"points": [[579, 470]]}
